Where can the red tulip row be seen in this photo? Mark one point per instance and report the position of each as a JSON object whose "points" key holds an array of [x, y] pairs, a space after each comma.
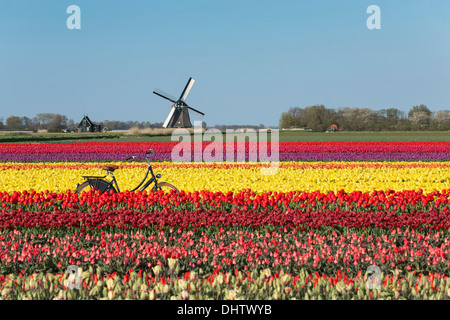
{"points": [[212, 248], [128, 219], [400, 201]]}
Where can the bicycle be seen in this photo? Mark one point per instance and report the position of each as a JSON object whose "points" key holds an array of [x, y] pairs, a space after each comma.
{"points": [[102, 184]]}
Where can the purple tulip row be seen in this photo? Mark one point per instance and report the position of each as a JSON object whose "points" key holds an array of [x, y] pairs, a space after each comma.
{"points": [[301, 156]]}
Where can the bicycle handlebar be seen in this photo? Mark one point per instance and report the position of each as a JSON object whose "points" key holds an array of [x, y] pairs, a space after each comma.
{"points": [[147, 155]]}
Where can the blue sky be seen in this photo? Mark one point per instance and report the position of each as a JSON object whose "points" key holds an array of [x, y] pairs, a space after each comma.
{"points": [[252, 60]]}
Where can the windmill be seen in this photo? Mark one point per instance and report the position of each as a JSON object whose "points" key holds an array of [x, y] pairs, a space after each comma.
{"points": [[179, 114]]}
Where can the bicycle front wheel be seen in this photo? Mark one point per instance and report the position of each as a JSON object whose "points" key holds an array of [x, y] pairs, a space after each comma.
{"points": [[94, 184], [166, 187]]}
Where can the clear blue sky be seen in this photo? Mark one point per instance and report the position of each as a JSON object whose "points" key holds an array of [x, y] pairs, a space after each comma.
{"points": [[252, 60]]}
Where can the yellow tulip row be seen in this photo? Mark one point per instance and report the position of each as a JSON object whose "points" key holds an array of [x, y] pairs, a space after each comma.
{"points": [[302, 176]]}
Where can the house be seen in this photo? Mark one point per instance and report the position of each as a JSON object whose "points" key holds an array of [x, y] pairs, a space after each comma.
{"points": [[86, 125]]}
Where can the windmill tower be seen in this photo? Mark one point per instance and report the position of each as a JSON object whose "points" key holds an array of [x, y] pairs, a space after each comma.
{"points": [[179, 113]]}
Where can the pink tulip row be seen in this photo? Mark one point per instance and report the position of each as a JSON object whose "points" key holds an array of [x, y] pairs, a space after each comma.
{"points": [[225, 249], [284, 147]]}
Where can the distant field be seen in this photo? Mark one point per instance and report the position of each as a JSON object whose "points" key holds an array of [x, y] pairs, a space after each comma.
{"points": [[284, 136], [365, 136]]}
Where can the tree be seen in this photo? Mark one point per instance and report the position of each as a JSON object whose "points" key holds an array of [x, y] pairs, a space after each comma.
{"points": [[393, 113], [420, 108], [420, 120], [71, 124], [27, 123], [392, 119], [292, 118], [319, 118], [57, 123], [13, 123], [441, 120], [358, 119], [43, 119], [420, 117]]}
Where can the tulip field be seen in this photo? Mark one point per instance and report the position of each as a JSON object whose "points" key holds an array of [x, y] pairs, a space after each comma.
{"points": [[309, 231]]}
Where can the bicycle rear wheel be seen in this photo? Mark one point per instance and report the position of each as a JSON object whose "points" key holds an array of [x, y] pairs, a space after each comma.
{"points": [[166, 187], [95, 184]]}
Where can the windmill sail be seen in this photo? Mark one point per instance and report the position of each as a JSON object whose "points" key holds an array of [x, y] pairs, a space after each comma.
{"points": [[165, 95], [187, 89], [166, 123], [195, 110]]}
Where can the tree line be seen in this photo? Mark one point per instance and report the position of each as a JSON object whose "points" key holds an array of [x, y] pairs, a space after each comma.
{"points": [[319, 118], [57, 122], [54, 122]]}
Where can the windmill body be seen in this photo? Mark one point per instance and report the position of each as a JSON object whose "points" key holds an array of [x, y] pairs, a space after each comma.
{"points": [[179, 114]]}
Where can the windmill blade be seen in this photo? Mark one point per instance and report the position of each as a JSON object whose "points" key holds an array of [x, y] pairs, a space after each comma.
{"points": [[165, 95], [187, 89], [195, 110], [169, 117]]}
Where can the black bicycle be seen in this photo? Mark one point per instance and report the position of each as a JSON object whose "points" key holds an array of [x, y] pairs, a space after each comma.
{"points": [[102, 184]]}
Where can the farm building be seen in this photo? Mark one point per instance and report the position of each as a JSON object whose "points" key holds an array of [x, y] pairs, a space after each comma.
{"points": [[86, 125]]}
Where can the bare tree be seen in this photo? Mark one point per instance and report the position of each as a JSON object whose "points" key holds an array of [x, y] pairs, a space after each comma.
{"points": [[71, 124], [27, 123], [43, 119], [57, 123]]}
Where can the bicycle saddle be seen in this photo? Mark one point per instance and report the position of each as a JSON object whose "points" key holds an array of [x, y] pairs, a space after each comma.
{"points": [[110, 168]]}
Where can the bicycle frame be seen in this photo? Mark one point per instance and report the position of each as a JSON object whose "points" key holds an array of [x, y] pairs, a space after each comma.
{"points": [[92, 180], [152, 179]]}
